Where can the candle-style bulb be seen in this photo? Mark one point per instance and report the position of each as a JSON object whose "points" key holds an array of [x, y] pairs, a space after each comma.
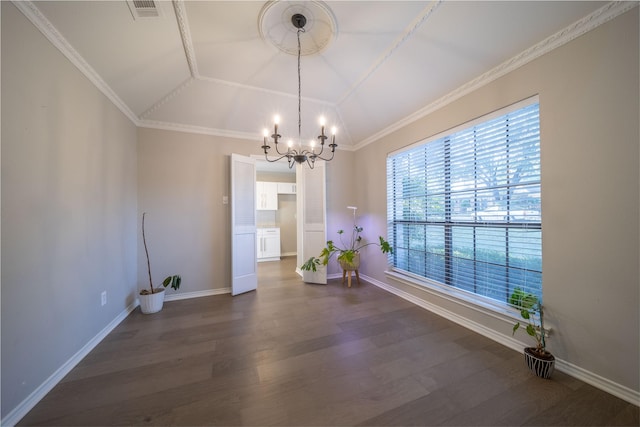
{"points": [[276, 119]]}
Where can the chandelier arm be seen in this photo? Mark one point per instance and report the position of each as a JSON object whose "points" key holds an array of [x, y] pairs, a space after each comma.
{"points": [[327, 159], [282, 153], [311, 161], [266, 157]]}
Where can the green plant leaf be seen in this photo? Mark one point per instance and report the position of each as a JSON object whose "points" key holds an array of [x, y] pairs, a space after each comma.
{"points": [[347, 256], [515, 328], [177, 280], [529, 301], [516, 297], [531, 330], [311, 264], [385, 246], [174, 281]]}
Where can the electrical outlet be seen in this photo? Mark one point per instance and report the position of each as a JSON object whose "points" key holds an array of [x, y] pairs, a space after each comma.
{"points": [[104, 297]]}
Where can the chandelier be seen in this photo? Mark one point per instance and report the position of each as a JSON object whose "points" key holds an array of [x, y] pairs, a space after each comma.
{"points": [[300, 155]]}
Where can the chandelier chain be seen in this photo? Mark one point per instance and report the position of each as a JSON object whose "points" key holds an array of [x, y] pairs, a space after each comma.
{"points": [[299, 88], [300, 155]]}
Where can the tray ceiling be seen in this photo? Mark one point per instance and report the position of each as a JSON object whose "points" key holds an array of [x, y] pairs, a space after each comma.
{"points": [[212, 66]]}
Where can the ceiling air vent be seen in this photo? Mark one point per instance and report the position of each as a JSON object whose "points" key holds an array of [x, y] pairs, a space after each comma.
{"points": [[143, 9]]}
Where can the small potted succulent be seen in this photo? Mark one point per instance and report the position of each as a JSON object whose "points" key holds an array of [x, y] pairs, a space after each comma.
{"points": [[540, 361], [152, 299]]}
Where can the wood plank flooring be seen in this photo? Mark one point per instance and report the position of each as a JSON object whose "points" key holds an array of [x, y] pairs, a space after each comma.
{"points": [[301, 355]]}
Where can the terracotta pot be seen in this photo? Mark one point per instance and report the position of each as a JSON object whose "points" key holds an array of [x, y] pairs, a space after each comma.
{"points": [[542, 366]]}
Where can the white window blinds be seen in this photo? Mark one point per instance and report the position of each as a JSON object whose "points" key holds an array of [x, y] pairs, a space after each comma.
{"points": [[464, 209]]}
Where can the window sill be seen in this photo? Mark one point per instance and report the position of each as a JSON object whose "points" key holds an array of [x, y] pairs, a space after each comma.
{"points": [[460, 297]]}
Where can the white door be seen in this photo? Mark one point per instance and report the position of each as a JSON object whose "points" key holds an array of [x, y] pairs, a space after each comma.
{"points": [[311, 185], [244, 266]]}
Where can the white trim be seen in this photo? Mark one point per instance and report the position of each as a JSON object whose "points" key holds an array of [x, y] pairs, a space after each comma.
{"points": [[503, 339], [597, 18], [185, 35], [475, 302], [176, 127], [41, 391], [578, 28], [604, 384], [36, 17], [423, 16], [611, 387], [535, 99], [197, 294]]}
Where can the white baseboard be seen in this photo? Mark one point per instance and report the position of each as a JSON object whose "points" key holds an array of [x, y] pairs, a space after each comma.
{"points": [[604, 384], [197, 294], [26, 405]]}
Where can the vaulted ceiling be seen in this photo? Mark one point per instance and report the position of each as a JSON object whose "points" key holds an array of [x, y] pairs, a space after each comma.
{"points": [[214, 67]]}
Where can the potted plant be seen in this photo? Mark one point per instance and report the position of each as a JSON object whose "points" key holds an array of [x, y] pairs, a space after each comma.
{"points": [[152, 299], [348, 254], [540, 361]]}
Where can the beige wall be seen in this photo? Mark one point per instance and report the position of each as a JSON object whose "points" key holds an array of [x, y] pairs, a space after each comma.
{"points": [[68, 210], [74, 187], [182, 178], [589, 113]]}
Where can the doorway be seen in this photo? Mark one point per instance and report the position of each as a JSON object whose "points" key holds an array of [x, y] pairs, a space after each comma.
{"points": [[276, 222], [309, 218]]}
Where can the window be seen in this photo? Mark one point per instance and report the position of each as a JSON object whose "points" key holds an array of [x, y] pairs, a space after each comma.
{"points": [[464, 208]]}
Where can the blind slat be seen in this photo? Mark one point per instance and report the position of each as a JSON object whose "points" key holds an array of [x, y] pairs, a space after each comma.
{"points": [[464, 209]]}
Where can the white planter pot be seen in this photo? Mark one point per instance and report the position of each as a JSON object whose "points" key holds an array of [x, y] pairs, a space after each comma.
{"points": [[152, 303]]}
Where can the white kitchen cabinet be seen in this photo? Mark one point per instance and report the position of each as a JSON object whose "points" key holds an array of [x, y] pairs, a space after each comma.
{"points": [[266, 196], [268, 244], [286, 188]]}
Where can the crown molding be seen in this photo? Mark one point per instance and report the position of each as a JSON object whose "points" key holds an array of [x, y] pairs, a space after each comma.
{"points": [[30, 11], [185, 35], [36, 17], [167, 98], [564, 36], [177, 127], [408, 32]]}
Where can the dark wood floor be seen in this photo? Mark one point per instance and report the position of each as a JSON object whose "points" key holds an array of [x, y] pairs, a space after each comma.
{"points": [[296, 354]]}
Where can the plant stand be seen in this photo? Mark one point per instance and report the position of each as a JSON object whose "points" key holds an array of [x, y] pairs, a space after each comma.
{"points": [[347, 274], [541, 366]]}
